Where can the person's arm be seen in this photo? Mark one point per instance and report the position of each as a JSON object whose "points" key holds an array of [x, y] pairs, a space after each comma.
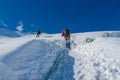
{"points": [[62, 33]]}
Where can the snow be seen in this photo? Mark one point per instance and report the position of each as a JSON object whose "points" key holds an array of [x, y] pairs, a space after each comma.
{"points": [[99, 60], [8, 33], [9, 44], [31, 62], [45, 58], [93, 61]]}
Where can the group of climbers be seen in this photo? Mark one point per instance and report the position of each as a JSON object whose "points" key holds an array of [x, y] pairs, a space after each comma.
{"points": [[65, 34]]}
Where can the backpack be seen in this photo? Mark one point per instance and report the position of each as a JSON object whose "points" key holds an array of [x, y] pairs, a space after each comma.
{"points": [[66, 33], [38, 31]]}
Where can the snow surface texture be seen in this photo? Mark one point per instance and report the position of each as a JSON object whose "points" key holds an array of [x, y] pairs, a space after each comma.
{"points": [[45, 58]]}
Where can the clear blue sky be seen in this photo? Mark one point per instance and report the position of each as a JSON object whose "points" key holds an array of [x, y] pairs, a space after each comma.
{"points": [[51, 16]]}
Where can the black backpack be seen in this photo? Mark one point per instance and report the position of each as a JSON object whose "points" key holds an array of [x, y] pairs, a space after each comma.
{"points": [[38, 31], [67, 33]]}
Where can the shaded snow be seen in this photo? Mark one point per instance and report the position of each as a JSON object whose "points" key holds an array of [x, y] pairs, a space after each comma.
{"points": [[39, 59], [32, 60]]}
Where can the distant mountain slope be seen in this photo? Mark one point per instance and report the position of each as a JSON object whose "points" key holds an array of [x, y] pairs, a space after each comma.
{"points": [[8, 33]]}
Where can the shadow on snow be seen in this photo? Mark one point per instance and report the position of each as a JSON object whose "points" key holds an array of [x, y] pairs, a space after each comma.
{"points": [[38, 60]]}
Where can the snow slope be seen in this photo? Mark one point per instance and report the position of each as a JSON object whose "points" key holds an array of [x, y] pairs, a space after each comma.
{"points": [[45, 58], [35, 59], [8, 33], [99, 60]]}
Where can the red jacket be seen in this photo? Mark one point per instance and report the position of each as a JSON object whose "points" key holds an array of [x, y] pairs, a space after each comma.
{"points": [[63, 33]]}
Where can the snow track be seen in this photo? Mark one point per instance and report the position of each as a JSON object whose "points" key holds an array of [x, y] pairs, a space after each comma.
{"points": [[62, 68], [38, 60], [53, 69]]}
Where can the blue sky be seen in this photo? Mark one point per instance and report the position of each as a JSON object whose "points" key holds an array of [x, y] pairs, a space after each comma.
{"points": [[51, 16]]}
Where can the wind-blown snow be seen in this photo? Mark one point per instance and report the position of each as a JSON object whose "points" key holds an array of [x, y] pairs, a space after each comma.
{"points": [[45, 58]]}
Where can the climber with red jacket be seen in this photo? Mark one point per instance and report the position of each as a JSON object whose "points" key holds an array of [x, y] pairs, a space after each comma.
{"points": [[66, 35]]}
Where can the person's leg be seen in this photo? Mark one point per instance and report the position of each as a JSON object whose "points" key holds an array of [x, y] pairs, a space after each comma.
{"points": [[36, 35], [68, 45]]}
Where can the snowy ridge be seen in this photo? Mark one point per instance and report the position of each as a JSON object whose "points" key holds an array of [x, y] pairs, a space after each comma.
{"points": [[8, 33], [35, 66], [35, 60], [45, 58]]}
